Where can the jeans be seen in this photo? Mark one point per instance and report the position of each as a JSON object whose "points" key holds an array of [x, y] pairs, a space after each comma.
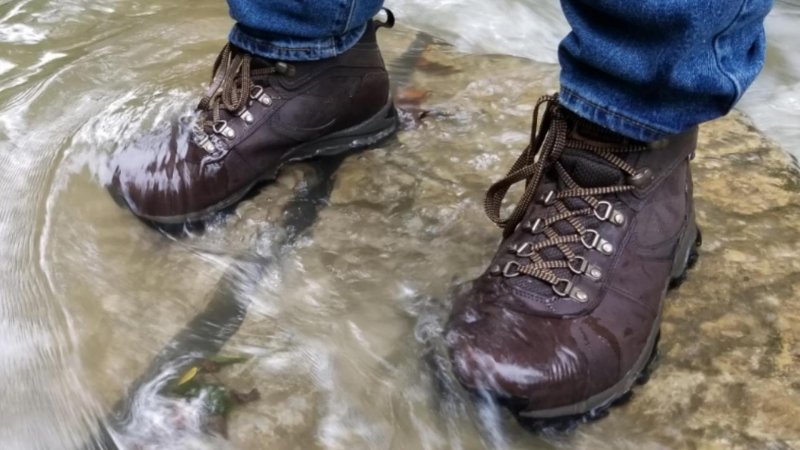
{"points": [[645, 68], [299, 30]]}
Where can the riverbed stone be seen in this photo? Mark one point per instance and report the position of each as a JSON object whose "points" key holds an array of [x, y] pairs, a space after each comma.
{"points": [[338, 355]]}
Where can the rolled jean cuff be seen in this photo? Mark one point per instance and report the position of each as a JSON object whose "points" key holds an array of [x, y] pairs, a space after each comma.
{"points": [[609, 117], [293, 49]]}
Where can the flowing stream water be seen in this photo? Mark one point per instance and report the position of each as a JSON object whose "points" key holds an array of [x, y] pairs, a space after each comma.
{"points": [[338, 316]]}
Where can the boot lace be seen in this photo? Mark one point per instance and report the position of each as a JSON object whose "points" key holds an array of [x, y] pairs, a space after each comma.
{"points": [[232, 89], [548, 142]]}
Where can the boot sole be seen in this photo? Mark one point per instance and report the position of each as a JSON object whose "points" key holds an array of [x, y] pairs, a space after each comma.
{"points": [[566, 418], [373, 131]]}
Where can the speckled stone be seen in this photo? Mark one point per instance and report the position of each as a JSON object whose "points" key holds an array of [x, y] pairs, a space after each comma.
{"points": [[405, 222]]}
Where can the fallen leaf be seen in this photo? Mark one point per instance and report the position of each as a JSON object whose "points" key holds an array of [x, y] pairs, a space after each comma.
{"points": [[434, 68], [410, 95], [188, 375]]}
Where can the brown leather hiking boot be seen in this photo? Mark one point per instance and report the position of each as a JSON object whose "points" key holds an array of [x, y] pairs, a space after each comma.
{"points": [[256, 117], [567, 315]]}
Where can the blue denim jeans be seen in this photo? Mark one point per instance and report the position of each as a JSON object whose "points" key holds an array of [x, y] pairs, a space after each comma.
{"points": [[643, 68], [300, 30]]}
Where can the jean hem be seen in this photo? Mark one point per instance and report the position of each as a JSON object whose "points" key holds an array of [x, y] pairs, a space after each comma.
{"points": [[737, 88], [610, 118], [295, 49]]}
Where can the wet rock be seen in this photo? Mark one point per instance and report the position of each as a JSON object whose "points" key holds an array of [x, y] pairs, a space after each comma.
{"points": [[729, 325], [337, 359]]}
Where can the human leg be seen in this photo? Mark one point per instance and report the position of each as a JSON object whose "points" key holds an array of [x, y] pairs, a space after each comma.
{"points": [[566, 317], [299, 30], [651, 68]]}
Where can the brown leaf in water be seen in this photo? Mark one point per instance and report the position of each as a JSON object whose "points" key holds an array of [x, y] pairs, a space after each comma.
{"points": [[408, 100], [410, 95], [434, 68]]}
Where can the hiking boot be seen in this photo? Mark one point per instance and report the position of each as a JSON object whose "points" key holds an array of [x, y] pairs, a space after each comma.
{"points": [[567, 315], [257, 116]]}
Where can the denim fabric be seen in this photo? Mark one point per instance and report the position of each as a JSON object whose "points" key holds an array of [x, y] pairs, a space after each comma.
{"points": [[299, 30], [643, 68], [650, 68]]}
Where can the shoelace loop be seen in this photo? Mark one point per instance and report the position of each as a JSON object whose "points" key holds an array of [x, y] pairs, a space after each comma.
{"points": [[549, 139], [232, 87]]}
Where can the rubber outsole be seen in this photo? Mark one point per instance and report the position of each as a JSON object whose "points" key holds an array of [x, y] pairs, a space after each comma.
{"points": [[568, 423]]}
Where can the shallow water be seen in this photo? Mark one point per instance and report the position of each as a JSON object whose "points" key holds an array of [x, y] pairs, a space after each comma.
{"points": [[342, 320], [533, 28]]}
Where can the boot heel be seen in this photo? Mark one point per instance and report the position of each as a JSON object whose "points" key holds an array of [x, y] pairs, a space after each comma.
{"points": [[687, 255]]}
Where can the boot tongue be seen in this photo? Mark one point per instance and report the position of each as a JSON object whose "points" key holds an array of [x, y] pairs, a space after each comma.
{"points": [[589, 170], [586, 168]]}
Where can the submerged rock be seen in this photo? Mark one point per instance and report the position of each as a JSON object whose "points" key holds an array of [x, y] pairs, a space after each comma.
{"points": [[405, 222], [343, 330]]}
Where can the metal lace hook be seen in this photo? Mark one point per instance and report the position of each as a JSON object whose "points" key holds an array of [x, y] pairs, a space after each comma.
{"points": [[565, 288], [511, 269], [605, 211]]}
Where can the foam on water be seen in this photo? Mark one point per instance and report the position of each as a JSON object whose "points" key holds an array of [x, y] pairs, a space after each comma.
{"points": [[5, 66], [18, 33]]}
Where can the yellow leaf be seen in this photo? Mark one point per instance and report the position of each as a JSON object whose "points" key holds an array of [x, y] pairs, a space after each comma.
{"points": [[188, 376]]}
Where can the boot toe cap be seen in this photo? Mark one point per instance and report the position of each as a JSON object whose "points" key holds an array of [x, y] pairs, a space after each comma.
{"points": [[504, 355], [160, 181], [536, 362]]}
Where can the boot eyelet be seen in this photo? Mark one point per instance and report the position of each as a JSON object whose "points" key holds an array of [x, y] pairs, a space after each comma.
{"points": [[562, 291], [578, 265], [591, 239], [284, 68], [247, 116], [641, 179], [203, 141], [549, 198], [579, 295], [565, 288], [496, 270], [511, 269], [605, 211], [594, 273], [525, 250], [221, 127], [257, 93], [537, 226]]}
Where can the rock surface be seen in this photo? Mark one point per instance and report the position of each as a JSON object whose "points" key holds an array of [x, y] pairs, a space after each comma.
{"points": [[343, 330], [341, 362]]}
